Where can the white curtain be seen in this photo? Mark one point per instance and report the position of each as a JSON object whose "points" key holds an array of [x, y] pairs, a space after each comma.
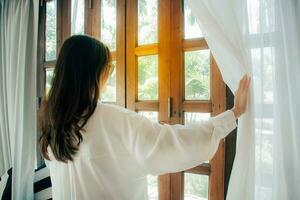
{"points": [[18, 50], [261, 38]]}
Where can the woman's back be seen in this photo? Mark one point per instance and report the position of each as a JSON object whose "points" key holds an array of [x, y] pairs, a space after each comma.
{"points": [[103, 167]]}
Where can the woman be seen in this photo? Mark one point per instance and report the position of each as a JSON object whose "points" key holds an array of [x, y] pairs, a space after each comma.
{"points": [[99, 151]]}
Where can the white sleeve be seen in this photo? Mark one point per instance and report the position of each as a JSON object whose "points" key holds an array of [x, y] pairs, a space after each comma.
{"points": [[161, 149]]}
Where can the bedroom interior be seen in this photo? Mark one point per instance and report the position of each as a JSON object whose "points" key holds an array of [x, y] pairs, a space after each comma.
{"points": [[175, 62]]}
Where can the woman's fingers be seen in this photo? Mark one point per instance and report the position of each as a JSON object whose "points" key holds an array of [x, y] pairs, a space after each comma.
{"points": [[243, 82], [246, 82], [241, 96]]}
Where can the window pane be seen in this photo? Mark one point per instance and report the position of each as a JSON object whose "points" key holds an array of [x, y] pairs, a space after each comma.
{"points": [[195, 187], [194, 117], [109, 94], [109, 23], [50, 30], [152, 187], [152, 115], [77, 17], [49, 76], [191, 27], [197, 75], [148, 78], [151, 180], [147, 21]]}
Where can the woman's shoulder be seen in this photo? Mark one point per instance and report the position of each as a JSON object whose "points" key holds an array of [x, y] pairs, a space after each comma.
{"points": [[112, 109]]}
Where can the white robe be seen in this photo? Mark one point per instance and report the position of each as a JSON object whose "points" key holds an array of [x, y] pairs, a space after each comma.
{"points": [[120, 148]]}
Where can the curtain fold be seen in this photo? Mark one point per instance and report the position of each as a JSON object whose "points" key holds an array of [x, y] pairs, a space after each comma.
{"points": [[261, 38], [18, 64]]}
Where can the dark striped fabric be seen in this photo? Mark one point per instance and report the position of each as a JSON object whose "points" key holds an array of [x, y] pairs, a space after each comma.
{"points": [[42, 184], [3, 181], [5, 192]]}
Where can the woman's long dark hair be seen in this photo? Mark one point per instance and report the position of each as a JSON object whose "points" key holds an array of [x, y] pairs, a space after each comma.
{"points": [[74, 94]]}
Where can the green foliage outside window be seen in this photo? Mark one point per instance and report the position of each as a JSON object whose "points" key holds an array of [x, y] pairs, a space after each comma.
{"points": [[148, 77], [50, 31], [109, 23], [197, 75], [147, 21], [195, 187]]}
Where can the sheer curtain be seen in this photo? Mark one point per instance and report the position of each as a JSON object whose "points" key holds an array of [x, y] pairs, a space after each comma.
{"points": [[18, 50], [261, 38]]}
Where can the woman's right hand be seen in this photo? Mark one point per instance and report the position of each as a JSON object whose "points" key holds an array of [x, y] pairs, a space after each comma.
{"points": [[241, 96]]}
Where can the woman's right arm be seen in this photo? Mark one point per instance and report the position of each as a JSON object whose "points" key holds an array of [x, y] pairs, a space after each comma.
{"points": [[161, 149]]}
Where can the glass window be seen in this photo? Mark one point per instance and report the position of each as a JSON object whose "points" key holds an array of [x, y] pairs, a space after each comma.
{"points": [[152, 187], [50, 31], [191, 27], [195, 187], [194, 117], [109, 23], [147, 21], [77, 17], [49, 77], [197, 75], [148, 77], [109, 94]]}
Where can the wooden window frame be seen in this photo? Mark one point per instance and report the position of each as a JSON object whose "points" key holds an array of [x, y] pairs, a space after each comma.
{"points": [[170, 50], [92, 17]]}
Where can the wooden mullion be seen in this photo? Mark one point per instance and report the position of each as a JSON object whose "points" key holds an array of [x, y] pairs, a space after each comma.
{"points": [[194, 106], [164, 48], [147, 106], [168, 183], [177, 186], [49, 64], [92, 18], [96, 26], [176, 59], [176, 84], [216, 179], [131, 64], [88, 13], [194, 44], [59, 27], [65, 19], [145, 50], [164, 187], [203, 169]]}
